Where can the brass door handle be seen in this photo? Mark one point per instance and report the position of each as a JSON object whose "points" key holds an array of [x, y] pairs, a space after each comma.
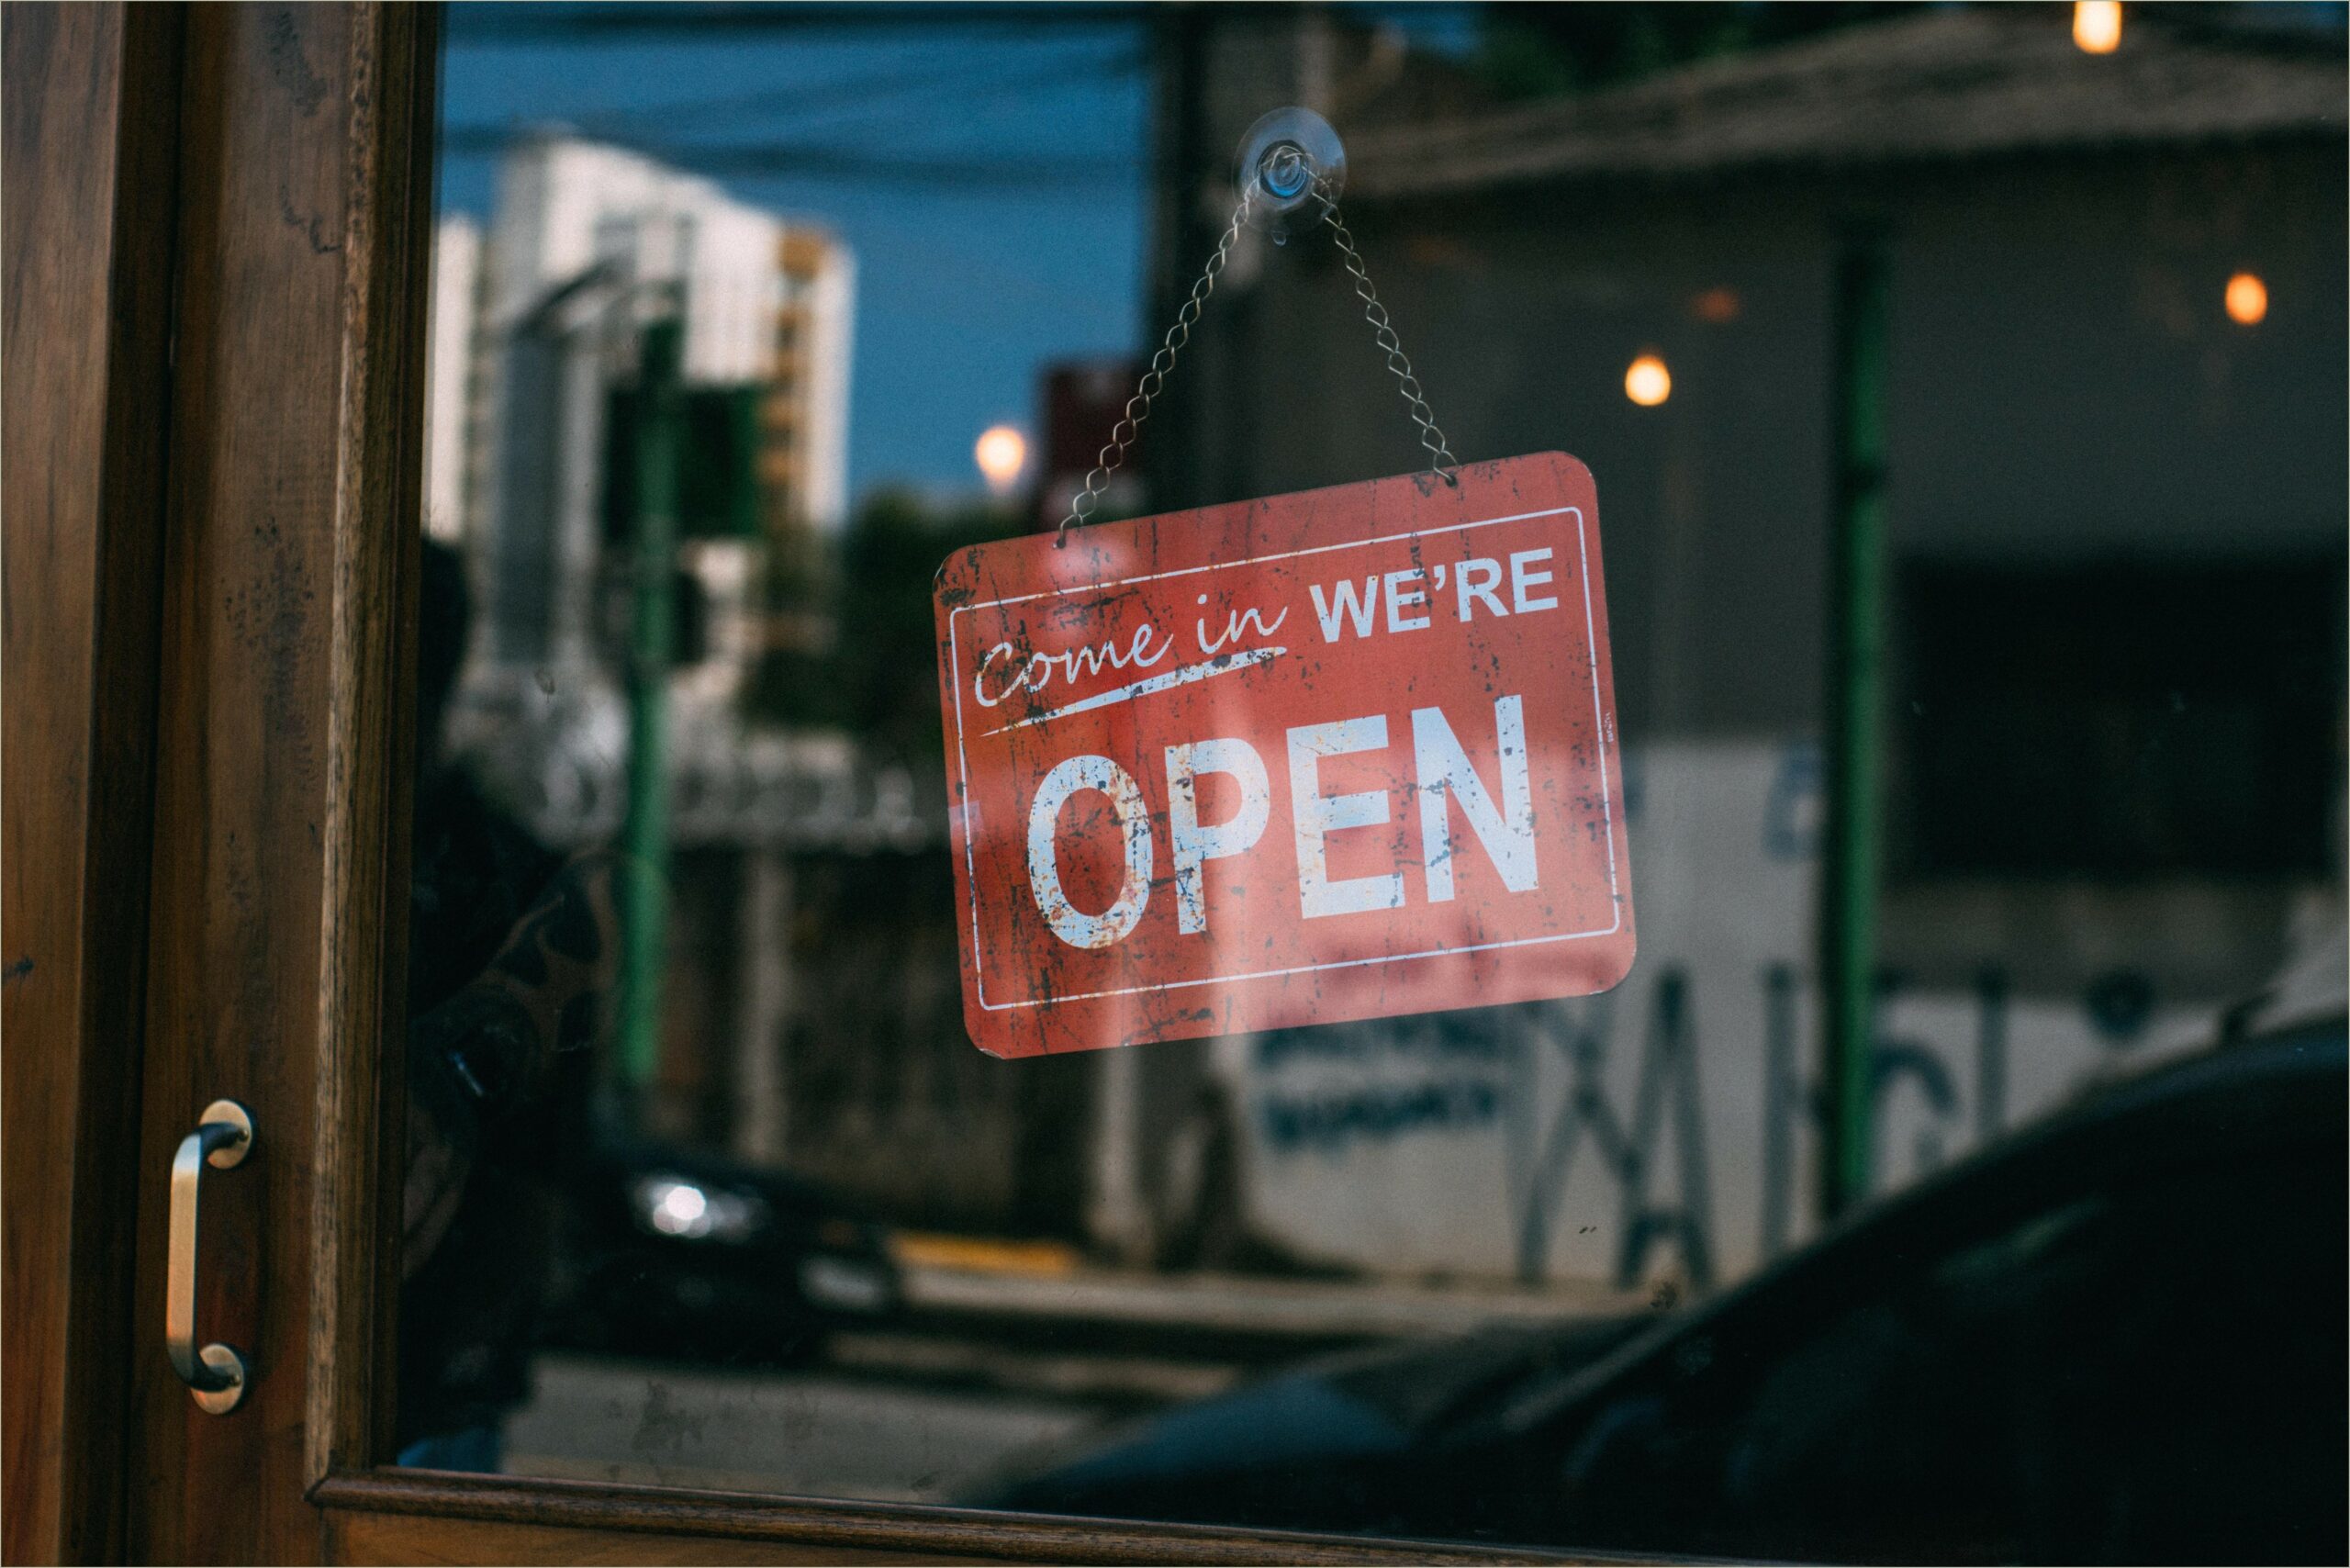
{"points": [[216, 1374]]}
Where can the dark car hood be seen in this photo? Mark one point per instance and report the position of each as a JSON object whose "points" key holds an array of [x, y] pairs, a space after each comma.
{"points": [[1334, 1421]]}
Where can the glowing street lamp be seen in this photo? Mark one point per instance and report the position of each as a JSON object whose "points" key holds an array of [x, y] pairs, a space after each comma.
{"points": [[2096, 25], [2247, 299], [1002, 454], [1647, 382]]}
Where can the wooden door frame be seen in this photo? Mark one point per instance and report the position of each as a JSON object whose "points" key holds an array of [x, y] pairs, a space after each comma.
{"points": [[303, 204], [91, 107], [281, 661]]}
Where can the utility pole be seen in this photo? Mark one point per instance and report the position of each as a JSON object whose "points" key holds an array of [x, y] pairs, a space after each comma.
{"points": [[644, 911], [1849, 861], [1180, 46]]}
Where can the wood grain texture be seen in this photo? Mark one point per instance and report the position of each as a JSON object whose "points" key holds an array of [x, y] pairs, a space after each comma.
{"points": [[279, 756], [413, 1538], [795, 1530], [91, 98], [392, 70]]}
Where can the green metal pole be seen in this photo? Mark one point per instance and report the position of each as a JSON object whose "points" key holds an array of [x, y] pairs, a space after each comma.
{"points": [[660, 415], [1855, 701]]}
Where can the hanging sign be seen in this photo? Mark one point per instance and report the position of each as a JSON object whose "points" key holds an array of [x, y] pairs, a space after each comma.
{"points": [[1338, 755]]}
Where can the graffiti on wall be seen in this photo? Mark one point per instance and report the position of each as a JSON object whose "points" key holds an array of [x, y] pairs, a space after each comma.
{"points": [[1666, 1128], [1547, 1079]]}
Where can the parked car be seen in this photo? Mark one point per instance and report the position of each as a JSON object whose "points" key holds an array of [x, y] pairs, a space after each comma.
{"points": [[675, 1254], [2117, 1334]]}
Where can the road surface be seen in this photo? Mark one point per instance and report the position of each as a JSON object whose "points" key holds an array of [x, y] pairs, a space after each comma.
{"points": [[816, 1433]]}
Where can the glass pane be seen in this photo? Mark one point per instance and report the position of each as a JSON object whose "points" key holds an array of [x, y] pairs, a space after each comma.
{"points": [[1964, 691]]}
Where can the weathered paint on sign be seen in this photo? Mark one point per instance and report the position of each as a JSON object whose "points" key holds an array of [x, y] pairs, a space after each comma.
{"points": [[1344, 753]]}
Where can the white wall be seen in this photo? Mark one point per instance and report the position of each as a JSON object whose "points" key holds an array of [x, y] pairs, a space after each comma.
{"points": [[565, 204], [448, 364], [1408, 1146], [832, 327]]}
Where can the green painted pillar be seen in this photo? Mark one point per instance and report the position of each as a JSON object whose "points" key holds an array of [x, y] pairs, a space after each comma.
{"points": [[1853, 827], [644, 914]]}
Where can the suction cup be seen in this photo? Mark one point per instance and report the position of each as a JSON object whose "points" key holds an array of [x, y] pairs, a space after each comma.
{"points": [[1292, 166]]}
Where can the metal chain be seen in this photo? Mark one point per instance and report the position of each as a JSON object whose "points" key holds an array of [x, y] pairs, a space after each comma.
{"points": [[1440, 459], [1154, 380]]}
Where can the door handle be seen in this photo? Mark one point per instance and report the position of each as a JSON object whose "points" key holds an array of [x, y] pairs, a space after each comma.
{"points": [[216, 1374]]}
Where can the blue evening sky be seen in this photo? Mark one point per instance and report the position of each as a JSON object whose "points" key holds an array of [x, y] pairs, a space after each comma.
{"points": [[967, 283]]}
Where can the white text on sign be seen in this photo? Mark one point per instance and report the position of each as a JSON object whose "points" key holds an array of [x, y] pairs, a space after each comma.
{"points": [[1443, 776], [1476, 583]]}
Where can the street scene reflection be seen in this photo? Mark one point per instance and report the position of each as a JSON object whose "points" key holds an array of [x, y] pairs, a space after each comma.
{"points": [[1959, 1171]]}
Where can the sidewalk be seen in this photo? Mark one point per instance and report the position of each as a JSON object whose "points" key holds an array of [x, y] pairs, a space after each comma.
{"points": [[1048, 1284]]}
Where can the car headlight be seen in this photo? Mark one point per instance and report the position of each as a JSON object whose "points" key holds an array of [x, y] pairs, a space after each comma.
{"points": [[844, 1285], [682, 1208]]}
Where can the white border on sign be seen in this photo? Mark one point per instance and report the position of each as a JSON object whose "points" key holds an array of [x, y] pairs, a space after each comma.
{"points": [[1599, 730]]}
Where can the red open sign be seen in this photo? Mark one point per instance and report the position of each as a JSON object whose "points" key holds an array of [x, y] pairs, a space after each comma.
{"points": [[1337, 754]]}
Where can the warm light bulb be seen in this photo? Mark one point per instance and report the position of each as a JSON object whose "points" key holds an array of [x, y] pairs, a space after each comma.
{"points": [[1647, 382], [2247, 299], [2096, 25], [1002, 454]]}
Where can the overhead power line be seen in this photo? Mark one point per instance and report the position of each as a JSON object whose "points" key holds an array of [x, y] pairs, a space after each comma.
{"points": [[819, 161], [653, 131], [683, 21], [825, 99], [630, 23]]}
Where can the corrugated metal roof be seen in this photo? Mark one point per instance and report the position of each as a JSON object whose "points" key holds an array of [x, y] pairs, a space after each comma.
{"points": [[1945, 84]]}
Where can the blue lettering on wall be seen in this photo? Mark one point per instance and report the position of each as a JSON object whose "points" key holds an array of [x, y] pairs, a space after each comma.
{"points": [[1328, 1123]]}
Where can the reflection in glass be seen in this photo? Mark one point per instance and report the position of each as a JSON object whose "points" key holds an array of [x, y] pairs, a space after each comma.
{"points": [[706, 1186]]}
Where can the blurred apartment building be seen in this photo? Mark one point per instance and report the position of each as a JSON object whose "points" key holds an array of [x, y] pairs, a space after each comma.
{"points": [[534, 327], [536, 331]]}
